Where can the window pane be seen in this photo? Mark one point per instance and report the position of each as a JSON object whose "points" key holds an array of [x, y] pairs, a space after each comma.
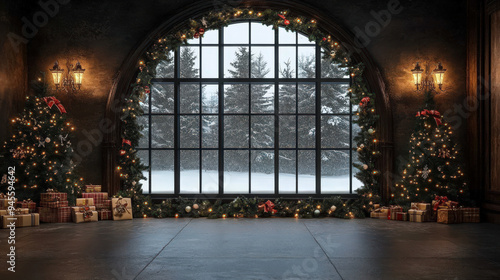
{"points": [[307, 62], [189, 62], [162, 166], [287, 98], [307, 172], [302, 39], [307, 98], [193, 41], [190, 131], [287, 62], [262, 34], [162, 131], [287, 131], [190, 172], [236, 33], [190, 98], [334, 98], [144, 105], [144, 140], [355, 129], [262, 171], [335, 132], [236, 172], [210, 98], [356, 183], [262, 131], [286, 37], [287, 174], [165, 68], [236, 98], [210, 37], [236, 131], [144, 156], [210, 62], [162, 98], [210, 172], [262, 98], [307, 131], [236, 62], [332, 70], [335, 171], [210, 130], [262, 62]]}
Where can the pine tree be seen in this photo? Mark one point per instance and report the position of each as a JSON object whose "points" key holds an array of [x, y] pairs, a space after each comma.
{"points": [[40, 148], [434, 161]]}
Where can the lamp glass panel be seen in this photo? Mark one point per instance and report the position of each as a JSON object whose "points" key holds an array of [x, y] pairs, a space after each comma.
{"points": [[56, 75], [78, 78], [439, 77]]}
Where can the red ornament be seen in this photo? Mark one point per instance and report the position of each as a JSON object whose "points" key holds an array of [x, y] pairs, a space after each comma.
{"points": [[364, 101], [286, 22], [201, 31], [122, 152], [324, 38], [125, 141], [196, 35], [147, 90]]}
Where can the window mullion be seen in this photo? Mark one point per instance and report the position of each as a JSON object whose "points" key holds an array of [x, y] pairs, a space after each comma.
{"points": [[318, 119], [276, 113], [176, 123], [221, 110]]}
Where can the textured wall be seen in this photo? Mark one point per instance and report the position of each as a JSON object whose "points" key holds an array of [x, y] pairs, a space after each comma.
{"points": [[101, 33]]}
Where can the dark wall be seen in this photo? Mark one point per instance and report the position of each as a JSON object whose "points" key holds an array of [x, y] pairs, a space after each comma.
{"points": [[13, 69], [100, 34]]}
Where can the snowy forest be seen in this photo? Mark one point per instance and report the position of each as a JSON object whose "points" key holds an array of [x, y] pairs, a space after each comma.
{"points": [[249, 126]]}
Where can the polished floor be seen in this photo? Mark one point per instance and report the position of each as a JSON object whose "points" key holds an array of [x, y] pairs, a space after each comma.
{"points": [[275, 248]]}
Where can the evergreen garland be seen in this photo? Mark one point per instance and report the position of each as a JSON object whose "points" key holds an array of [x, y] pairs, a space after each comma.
{"points": [[130, 166]]}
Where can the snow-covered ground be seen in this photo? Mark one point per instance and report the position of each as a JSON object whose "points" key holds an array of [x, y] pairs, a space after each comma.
{"points": [[238, 182]]}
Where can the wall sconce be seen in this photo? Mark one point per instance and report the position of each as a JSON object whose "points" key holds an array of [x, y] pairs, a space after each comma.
{"points": [[72, 81], [426, 83]]}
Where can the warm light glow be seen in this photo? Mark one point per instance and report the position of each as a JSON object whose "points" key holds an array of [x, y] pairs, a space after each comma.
{"points": [[439, 74], [78, 74], [417, 75], [57, 73]]}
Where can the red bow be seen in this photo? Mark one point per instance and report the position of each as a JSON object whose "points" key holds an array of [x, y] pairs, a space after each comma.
{"points": [[51, 101], [125, 141], [431, 113], [440, 201], [364, 101], [268, 207]]}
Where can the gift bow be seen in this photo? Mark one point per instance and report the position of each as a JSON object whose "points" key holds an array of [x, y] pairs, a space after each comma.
{"points": [[268, 207], [440, 201], [121, 207], [51, 101], [431, 113], [364, 101], [87, 213]]}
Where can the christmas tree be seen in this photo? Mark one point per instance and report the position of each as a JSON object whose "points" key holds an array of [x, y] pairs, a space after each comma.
{"points": [[40, 148], [434, 167]]}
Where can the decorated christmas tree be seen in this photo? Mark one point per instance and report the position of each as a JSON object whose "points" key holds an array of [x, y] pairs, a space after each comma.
{"points": [[433, 168], [40, 148]]}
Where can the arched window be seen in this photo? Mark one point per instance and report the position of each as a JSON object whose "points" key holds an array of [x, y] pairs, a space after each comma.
{"points": [[247, 109]]}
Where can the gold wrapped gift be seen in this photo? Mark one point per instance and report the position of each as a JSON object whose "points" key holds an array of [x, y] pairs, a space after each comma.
{"points": [[84, 202], [23, 220], [93, 188], [87, 216], [4, 203], [83, 208], [20, 211], [379, 215], [122, 208], [418, 216], [450, 216]]}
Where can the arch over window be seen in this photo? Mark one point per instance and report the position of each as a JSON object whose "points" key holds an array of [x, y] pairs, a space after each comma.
{"points": [[248, 109]]}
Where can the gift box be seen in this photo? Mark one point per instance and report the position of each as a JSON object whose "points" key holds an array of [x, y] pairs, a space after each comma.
{"points": [[106, 204], [93, 188], [421, 206], [401, 216], [418, 216], [20, 211], [471, 215], [393, 210], [84, 202], [22, 220], [55, 215], [27, 204], [105, 214], [6, 202], [378, 215], [3, 212], [450, 216], [82, 208], [122, 208], [53, 196], [84, 214], [98, 197], [54, 204]]}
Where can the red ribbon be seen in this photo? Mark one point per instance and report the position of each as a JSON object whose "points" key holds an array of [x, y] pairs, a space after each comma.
{"points": [[51, 101], [268, 207], [431, 113], [125, 141], [440, 201], [364, 101]]}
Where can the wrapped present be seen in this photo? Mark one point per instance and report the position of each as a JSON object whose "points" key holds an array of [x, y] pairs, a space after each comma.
{"points": [[54, 204], [81, 208], [471, 215], [421, 206], [98, 197], [393, 210], [418, 216], [380, 213], [53, 196], [3, 212], [439, 201], [6, 202], [84, 202], [450, 216], [122, 208], [105, 214], [84, 214], [55, 215], [106, 204], [21, 220], [401, 216], [27, 204], [19, 211], [93, 188], [376, 206]]}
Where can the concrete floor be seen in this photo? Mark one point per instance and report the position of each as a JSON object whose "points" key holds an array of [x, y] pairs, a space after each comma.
{"points": [[255, 249]]}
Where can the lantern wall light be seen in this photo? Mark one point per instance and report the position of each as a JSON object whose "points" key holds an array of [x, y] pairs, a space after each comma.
{"points": [[426, 81], [70, 81]]}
